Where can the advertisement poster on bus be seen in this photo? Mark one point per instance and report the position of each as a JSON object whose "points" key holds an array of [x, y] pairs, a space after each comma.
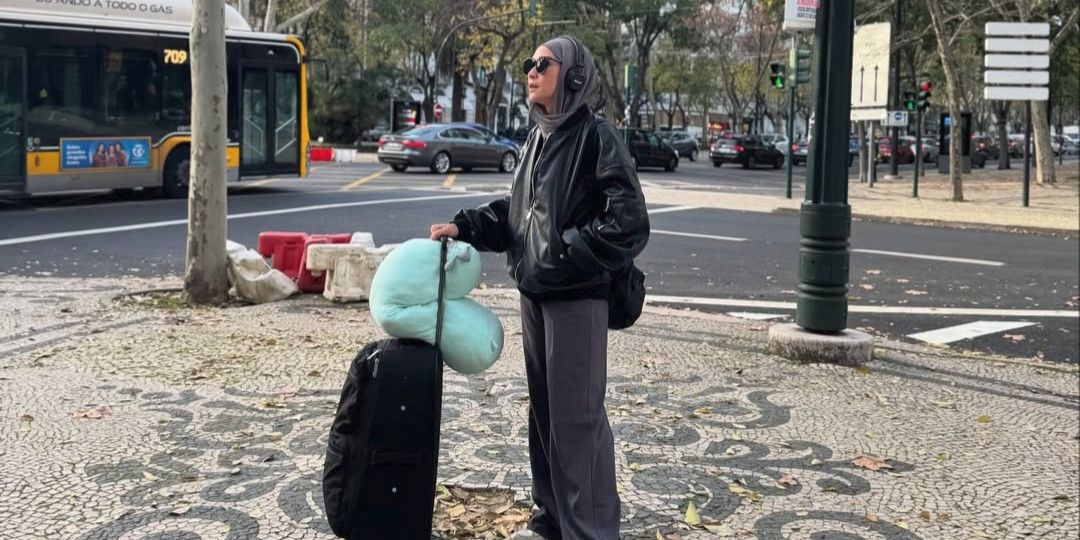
{"points": [[129, 153]]}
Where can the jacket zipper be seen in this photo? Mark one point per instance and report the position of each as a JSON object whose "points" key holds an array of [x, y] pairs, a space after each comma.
{"points": [[529, 214]]}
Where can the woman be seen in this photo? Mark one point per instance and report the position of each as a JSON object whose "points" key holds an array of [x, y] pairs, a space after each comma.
{"points": [[98, 160], [574, 217]]}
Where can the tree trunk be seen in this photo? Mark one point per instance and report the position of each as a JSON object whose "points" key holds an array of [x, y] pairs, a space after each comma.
{"points": [[271, 16], [457, 102], [953, 88], [1045, 172], [1001, 115], [206, 279]]}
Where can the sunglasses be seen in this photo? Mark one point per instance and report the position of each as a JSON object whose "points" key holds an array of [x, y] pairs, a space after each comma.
{"points": [[541, 64]]}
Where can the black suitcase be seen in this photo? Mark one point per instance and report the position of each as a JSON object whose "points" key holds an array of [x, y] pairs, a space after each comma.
{"points": [[382, 455]]}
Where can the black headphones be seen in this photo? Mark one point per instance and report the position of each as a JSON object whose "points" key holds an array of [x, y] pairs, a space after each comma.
{"points": [[575, 76]]}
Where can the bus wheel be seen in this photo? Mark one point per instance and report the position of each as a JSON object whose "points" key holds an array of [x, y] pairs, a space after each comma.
{"points": [[177, 173]]}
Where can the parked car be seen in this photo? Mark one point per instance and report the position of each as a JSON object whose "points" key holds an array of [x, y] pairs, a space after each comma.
{"points": [[1016, 145], [649, 150], [800, 151], [930, 150], [749, 151], [781, 141], [488, 131], [443, 146], [905, 152], [987, 145], [1070, 145], [685, 144]]}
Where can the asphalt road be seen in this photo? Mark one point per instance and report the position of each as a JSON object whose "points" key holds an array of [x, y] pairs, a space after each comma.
{"points": [[714, 260]]}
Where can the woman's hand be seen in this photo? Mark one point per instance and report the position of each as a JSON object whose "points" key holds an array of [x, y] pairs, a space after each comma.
{"points": [[444, 229]]}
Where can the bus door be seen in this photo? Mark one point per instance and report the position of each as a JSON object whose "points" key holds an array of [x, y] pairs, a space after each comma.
{"points": [[12, 118], [270, 120]]}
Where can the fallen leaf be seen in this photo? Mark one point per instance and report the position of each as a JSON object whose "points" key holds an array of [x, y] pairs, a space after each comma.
{"points": [[1016, 338], [862, 370], [984, 419], [97, 413], [180, 510], [802, 513], [731, 451], [26, 418], [456, 511], [866, 286], [234, 471], [914, 292], [1039, 519], [692, 516], [658, 535], [738, 426], [150, 476], [944, 404], [943, 516], [788, 480], [873, 272], [1061, 498], [872, 436], [872, 463], [902, 524], [703, 411], [815, 462], [274, 437], [983, 534], [903, 280], [719, 529], [270, 403], [926, 516], [871, 517], [942, 456], [314, 373]]}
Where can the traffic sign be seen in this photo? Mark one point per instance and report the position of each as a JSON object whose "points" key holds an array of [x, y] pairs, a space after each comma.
{"points": [[800, 15], [870, 72], [896, 119], [1016, 61]]}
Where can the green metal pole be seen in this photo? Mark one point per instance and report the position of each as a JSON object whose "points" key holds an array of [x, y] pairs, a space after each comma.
{"points": [[825, 217], [792, 93]]}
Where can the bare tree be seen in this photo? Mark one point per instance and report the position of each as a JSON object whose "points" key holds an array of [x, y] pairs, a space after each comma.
{"points": [[205, 276]]}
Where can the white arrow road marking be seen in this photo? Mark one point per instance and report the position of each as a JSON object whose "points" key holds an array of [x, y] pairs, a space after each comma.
{"points": [[971, 330]]}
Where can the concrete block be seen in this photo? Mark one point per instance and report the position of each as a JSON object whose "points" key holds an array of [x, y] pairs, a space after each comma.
{"points": [[847, 348], [364, 239], [349, 268], [251, 279]]}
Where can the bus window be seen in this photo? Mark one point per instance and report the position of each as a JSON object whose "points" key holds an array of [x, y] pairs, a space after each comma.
{"points": [[287, 117], [176, 95], [61, 97], [130, 96]]}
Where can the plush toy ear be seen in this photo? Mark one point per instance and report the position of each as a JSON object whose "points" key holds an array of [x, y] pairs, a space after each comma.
{"points": [[457, 251]]}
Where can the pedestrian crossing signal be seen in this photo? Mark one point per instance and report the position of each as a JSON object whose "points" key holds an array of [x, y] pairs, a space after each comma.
{"points": [[778, 72]]}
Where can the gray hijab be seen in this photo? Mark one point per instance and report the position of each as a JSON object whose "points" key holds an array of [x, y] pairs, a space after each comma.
{"points": [[566, 51]]}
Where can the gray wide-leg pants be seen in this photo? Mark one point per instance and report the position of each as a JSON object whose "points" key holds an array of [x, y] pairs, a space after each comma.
{"points": [[571, 448]]}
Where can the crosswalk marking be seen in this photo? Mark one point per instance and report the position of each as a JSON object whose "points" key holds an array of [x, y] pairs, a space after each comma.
{"points": [[361, 181], [971, 330], [671, 209], [756, 316], [980, 262], [696, 235]]}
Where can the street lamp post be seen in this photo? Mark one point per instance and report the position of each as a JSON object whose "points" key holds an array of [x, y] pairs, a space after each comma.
{"points": [[825, 217]]}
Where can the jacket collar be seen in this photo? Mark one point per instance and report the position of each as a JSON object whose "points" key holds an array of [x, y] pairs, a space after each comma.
{"points": [[575, 119]]}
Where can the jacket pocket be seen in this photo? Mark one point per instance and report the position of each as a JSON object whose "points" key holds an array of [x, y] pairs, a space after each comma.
{"points": [[344, 471]]}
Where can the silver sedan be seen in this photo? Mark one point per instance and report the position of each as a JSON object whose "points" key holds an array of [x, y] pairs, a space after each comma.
{"points": [[441, 147]]}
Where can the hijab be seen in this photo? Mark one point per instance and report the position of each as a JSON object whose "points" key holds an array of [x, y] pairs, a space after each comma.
{"points": [[568, 51]]}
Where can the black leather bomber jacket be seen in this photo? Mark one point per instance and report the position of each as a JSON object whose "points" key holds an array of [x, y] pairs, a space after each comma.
{"points": [[575, 213]]}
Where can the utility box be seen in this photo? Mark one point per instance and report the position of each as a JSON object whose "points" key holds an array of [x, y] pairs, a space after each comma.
{"points": [[944, 128]]}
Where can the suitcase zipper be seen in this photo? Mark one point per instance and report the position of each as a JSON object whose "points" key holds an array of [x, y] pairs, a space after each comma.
{"points": [[375, 369]]}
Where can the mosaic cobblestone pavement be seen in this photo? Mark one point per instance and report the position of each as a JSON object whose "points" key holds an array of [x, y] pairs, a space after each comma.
{"points": [[122, 421]]}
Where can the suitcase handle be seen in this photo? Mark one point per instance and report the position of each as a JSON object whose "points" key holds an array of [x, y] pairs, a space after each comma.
{"points": [[386, 459]]}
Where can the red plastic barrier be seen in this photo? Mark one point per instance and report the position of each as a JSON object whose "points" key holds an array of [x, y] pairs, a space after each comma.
{"points": [[307, 282], [286, 250], [322, 153]]}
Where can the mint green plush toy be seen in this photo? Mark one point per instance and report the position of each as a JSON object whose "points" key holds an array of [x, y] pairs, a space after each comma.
{"points": [[404, 294]]}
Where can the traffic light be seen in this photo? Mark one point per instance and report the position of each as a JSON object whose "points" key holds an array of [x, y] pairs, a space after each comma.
{"points": [[778, 73], [909, 101], [801, 65], [532, 8], [924, 95]]}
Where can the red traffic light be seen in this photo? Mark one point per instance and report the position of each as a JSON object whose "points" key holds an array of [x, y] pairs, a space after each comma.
{"points": [[925, 86]]}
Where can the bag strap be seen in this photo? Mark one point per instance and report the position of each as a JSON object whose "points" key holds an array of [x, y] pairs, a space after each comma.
{"points": [[442, 290]]}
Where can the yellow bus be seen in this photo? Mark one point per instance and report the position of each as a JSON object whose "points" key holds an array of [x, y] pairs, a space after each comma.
{"points": [[96, 94]]}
